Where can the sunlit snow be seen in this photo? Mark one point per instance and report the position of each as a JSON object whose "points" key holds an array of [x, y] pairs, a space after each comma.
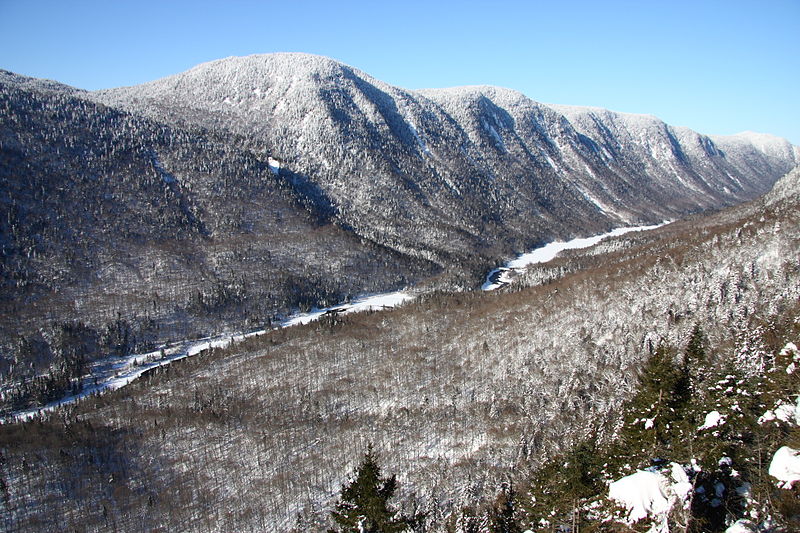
{"points": [[502, 276], [651, 494], [713, 419], [785, 467], [643, 494]]}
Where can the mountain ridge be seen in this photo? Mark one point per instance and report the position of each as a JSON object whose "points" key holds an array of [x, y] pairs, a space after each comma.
{"points": [[485, 169]]}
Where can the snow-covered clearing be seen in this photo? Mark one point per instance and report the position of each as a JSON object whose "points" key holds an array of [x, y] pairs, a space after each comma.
{"points": [[115, 372], [502, 276]]}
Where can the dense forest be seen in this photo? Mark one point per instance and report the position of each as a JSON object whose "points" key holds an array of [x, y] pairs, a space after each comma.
{"points": [[468, 398], [648, 383]]}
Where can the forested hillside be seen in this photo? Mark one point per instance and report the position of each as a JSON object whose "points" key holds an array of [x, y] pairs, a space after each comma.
{"points": [[463, 174], [119, 233], [245, 189], [459, 394]]}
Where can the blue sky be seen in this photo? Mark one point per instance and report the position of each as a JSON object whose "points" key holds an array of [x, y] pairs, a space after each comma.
{"points": [[719, 67]]}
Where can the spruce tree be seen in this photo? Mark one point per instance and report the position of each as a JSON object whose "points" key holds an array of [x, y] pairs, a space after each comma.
{"points": [[364, 505], [650, 415], [503, 515], [693, 363]]}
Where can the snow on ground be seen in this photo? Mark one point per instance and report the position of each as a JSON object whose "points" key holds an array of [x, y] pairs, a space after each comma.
{"points": [[713, 419], [651, 494], [502, 276], [368, 303], [785, 467], [113, 373]]}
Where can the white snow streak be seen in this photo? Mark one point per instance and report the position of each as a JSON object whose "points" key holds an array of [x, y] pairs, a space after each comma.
{"points": [[503, 275]]}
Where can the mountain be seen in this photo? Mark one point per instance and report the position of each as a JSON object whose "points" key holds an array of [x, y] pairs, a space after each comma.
{"points": [[229, 195], [144, 233], [484, 170], [457, 392]]}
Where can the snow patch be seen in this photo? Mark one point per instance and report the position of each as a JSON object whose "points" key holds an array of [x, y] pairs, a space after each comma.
{"points": [[785, 467], [713, 419], [784, 411], [742, 526]]}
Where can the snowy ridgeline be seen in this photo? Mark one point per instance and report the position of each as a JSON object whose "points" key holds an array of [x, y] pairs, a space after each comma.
{"points": [[113, 373], [500, 277], [357, 139]]}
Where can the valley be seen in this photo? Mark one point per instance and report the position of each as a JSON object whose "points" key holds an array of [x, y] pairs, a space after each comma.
{"points": [[221, 288], [448, 388]]}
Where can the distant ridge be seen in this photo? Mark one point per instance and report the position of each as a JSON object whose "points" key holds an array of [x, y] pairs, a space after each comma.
{"points": [[469, 163]]}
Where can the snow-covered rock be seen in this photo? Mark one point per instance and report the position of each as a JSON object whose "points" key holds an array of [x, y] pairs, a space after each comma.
{"points": [[643, 494], [652, 495], [742, 526], [785, 466], [713, 419]]}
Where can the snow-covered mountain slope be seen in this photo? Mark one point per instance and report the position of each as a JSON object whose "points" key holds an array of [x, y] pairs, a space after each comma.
{"points": [[454, 390], [112, 222], [215, 198], [481, 169]]}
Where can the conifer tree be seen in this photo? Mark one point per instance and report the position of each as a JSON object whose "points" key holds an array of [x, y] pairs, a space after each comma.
{"points": [[692, 365], [503, 516], [651, 413], [364, 505]]}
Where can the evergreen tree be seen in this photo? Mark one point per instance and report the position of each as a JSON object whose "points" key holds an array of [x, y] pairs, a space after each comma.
{"points": [[364, 504], [650, 413], [693, 366], [503, 514]]}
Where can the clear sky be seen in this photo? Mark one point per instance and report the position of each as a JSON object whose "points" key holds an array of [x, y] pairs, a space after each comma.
{"points": [[719, 67]]}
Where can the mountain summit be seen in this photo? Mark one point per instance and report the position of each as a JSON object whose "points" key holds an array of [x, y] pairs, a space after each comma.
{"points": [[476, 166]]}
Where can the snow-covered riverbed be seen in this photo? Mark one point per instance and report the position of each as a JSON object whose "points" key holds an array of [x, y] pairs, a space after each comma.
{"points": [[113, 373], [502, 276]]}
